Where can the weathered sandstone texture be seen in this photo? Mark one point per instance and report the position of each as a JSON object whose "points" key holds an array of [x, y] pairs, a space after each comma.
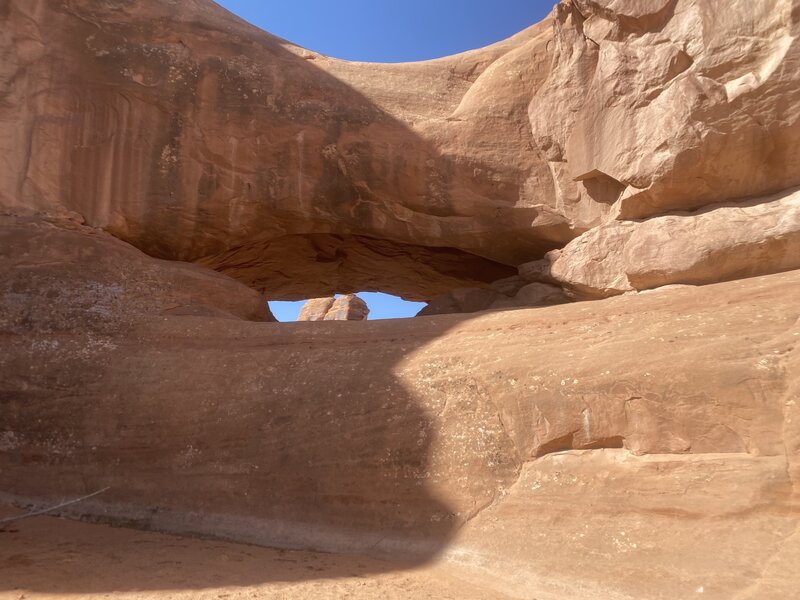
{"points": [[641, 446], [348, 307], [520, 293], [70, 275], [722, 243], [194, 136], [645, 446], [315, 309]]}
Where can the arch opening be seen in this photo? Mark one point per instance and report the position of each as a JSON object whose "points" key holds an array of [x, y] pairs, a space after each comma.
{"points": [[380, 306]]}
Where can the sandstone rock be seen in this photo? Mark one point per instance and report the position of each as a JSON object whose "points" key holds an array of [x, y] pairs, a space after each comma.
{"points": [[533, 294], [462, 300], [348, 307], [449, 447], [521, 294], [195, 136], [59, 276], [538, 271], [184, 413], [540, 294], [571, 504], [664, 288], [650, 106], [643, 446], [720, 244], [315, 309], [509, 286]]}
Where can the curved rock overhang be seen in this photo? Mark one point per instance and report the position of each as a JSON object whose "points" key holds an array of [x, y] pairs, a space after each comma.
{"points": [[195, 136]]}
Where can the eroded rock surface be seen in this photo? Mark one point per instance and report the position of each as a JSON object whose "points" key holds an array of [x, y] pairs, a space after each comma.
{"points": [[195, 136], [519, 293], [59, 275], [347, 307], [644, 446], [723, 243], [211, 424], [663, 105], [315, 309]]}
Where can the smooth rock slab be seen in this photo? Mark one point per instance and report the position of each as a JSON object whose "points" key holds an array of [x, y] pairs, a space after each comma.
{"points": [[397, 438]]}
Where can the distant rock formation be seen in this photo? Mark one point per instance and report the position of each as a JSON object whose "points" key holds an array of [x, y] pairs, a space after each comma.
{"points": [[315, 309], [348, 307]]}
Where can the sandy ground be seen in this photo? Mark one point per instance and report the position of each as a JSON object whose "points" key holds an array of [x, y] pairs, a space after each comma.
{"points": [[46, 557]]}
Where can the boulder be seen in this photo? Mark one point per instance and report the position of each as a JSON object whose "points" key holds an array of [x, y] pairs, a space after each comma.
{"points": [[462, 300], [538, 271], [348, 307], [718, 244], [509, 286], [315, 309], [540, 294]]}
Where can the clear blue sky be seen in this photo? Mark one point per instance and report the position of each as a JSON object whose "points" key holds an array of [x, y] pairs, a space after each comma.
{"points": [[388, 31], [391, 30]]}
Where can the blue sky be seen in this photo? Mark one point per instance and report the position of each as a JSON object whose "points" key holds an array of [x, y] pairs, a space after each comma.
{"points": [[391, 30], [388, 31]]}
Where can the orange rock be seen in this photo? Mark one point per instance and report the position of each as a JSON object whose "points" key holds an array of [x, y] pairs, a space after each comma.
{"points": [[315, 309], [348, 307], [642, 446], [721, 243], [205, 139]]}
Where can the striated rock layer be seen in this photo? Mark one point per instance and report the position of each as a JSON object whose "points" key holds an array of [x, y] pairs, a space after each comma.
{"points": [[722, 243], [195, 136], [637, 447]]}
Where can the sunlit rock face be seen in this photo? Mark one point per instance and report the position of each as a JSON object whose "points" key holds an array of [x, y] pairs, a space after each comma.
{"points": [[669, 416], [642, 154], [720, 243], [348, 307], [195, 136], [315, 309], [663, 105]]}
